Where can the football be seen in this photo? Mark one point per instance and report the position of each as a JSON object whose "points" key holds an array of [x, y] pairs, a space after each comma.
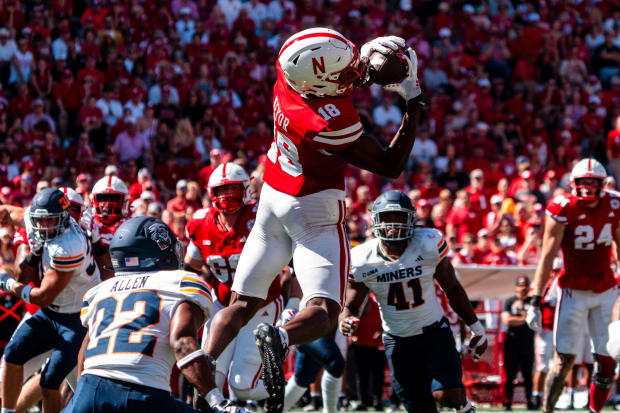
{"points": [[387, 69]]}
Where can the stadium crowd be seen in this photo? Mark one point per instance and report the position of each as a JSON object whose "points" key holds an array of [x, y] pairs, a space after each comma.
{"points": [[160, 93]]}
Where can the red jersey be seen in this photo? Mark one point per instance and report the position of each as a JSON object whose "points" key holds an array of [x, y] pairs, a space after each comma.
{"points": [[106, 232], [19, 237], [307, 132], [587, 241], [221, 249]]}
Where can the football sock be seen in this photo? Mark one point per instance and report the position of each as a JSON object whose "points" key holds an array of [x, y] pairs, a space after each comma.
{"points": [[330, 389], [598, 397], [602, 380], [292, 394], [5, 410], [283, 337]]}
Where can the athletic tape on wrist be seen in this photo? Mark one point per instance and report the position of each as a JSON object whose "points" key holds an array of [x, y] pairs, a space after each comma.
{"points": [[190, 357]]}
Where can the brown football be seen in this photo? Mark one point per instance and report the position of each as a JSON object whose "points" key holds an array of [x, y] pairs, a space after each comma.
{"points": [[387, 69]]}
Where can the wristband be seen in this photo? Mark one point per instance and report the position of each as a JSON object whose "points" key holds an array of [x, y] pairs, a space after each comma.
{"points": [[190, 357], [26, 293], [293, 304], [535, 300], [477, 328], [33, 260]]}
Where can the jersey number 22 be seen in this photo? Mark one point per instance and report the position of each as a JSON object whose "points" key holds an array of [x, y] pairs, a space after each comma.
{"points": [[129, 338]]}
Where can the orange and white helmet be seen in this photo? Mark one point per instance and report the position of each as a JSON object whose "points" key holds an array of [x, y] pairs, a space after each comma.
{"points": [[320, 62], [588, 168], [110, 198], [229, 187], [75, 202]]}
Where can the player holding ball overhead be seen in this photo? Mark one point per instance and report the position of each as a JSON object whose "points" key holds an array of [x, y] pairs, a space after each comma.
{"points": [[301, 213]]}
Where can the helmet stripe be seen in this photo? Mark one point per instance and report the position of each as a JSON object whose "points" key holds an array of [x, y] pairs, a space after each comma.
{"points": [[309, 36], [224, 172]]}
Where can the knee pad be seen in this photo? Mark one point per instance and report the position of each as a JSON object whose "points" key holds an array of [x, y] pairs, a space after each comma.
{"points": [[604, 367]]}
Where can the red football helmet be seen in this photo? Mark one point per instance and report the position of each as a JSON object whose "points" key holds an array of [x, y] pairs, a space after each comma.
{"points": [[110, 198], [582, 175], [229, 187], [75, 202]]}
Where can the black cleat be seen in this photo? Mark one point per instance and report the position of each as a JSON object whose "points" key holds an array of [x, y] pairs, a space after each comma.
{"points": [[272, 354]]}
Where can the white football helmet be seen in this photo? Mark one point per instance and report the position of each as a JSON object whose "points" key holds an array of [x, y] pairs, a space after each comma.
{"points": [[75, 202], [110, 198], [588, 168], [237, 194], [320, 62]]}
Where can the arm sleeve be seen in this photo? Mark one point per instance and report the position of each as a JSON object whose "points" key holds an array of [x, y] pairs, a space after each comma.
{"points": [[343, 127]]}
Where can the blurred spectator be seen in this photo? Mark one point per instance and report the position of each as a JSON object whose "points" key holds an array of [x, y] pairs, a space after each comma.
{"points": [[613, 149], [366, 352], [498, 255], [519, 343], [462, 218], [465, 255], [179, 203], [131, 144], [387, 112], [37, 116]]}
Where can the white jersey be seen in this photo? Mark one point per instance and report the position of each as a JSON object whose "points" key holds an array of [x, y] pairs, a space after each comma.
{"points": [[404, 288], [70, 251], [128, 319]]}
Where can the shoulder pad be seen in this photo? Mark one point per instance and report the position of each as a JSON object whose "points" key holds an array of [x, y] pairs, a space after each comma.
{"points": [[559, 207], [196, 290], [359, 257], [67, 251], [431, 240]]}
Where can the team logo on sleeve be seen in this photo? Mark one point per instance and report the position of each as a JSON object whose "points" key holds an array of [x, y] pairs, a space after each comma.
{"points": [[159, 234], [615, 204]]}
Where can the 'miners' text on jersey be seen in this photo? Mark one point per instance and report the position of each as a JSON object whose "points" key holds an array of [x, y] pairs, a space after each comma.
{"points": [[128, 319], [306, 132], [404, 288], [587, 241]]}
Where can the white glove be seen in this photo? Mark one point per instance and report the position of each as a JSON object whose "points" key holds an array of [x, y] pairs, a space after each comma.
{"points": [[382, 45], [87, 223], [478, 342], [410, 87], [533, 318]]}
